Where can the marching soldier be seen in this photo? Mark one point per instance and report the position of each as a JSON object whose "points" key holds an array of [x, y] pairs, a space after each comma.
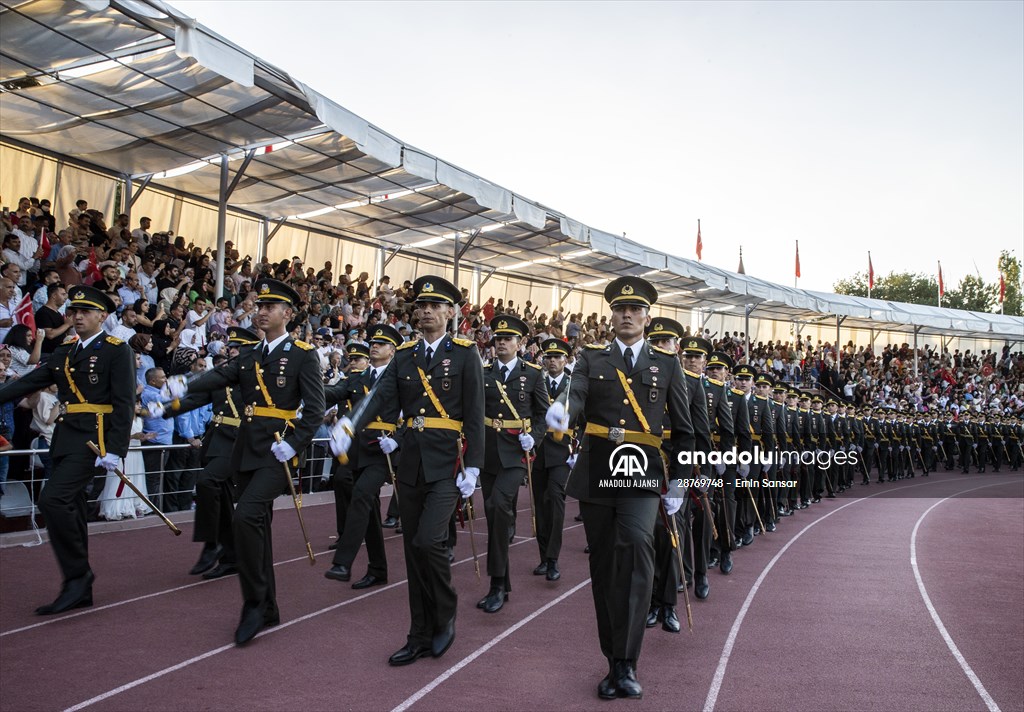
{"points": [[515, 400], [723, 434], [780, 415], [95, 378], [274, 376], [736, 398], [965, 442], [808, 444], [437, 382], [372, 466], [623, 390], [551, 468], [981, 437], [341, 396], [762, 416], [821, 429], [794, 433], [214, 496]]}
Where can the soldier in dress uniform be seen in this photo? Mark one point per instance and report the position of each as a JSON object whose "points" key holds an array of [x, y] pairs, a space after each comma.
{"points": [[762, 416], [718, 367], [794, 435], [215, 506], [374, 465], [551, 468], [515, 401], [95, 377], [664, 334], [343, 395], [275, 377], [623, 390], [808, 444], [438, 384], [821, 432], [778, 471], [965, 441]]}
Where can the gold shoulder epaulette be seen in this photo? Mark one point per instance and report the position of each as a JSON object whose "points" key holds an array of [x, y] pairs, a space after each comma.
{"points": [[532, 365], [408, 344], [114, 340], [716, 381], [662, 351], [69, 340], [303, 345], [596, 346], [691, 373], [464, 342], [737, 391]]}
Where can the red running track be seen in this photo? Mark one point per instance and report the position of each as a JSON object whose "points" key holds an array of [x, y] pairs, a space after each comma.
{"points": [[824, 614]]}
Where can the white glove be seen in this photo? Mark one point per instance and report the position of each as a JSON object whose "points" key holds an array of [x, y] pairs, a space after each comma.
{"points": [[177, 386], [466, 481], [341, 438], [282, 451], [743, 469], [935, 448], [526, 441], [975, 446], [672, 504], [387, 444], [557, 418], [720, 468], [156, 409], [571, 462], [108, 462]]}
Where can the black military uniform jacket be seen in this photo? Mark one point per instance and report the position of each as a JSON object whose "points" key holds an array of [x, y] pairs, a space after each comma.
{"points": [[656, 381], [779, 424], [102, 374], [291, 376], [341, 394], [741, 420], [762, 415], [455, 378], [554, 453], [525, 390], [699, 412], [819, 433], [221, 433], [805, 424], [794, 428], [719, 414], [347, 394]]}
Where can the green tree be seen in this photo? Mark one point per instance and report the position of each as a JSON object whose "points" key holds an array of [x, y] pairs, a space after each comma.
{"points": [[906, 287], [1009, 265], [972, 294]]}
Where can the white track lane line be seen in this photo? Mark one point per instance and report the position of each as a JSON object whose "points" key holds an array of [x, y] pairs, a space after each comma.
{"points": [[987, 698], [426, 689], [723, 661], [97, 609], [268, 631]]}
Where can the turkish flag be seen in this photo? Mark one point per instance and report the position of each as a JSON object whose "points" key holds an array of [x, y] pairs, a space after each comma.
{"points": [[44, 242], [942, 285], [23, 314], [700, 243], [797, 258], [871, 273], [93, 270]]}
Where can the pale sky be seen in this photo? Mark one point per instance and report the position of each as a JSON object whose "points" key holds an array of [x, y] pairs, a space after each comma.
{"points": [[884, 126]]}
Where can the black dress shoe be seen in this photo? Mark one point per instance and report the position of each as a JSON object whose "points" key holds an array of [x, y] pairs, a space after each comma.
{"points": [[220, 571], [409, 654], [606, 689], [252, 623], [443, 639], [390, 523], [578, 518], [369, 580], [748, 536], [713, 561], [652, 616], [333, 546], [398, 529], [830, 495], [541, 569], [770, 526], [726, 564], [701, 586], [338, 573], [670, 622], [625, 680], [207, 559], [495, 599], [553, 573], [76, 593], [815, 500]]}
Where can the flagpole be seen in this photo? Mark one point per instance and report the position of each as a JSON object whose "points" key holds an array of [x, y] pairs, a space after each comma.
{"points": [[938, 286], [795, 277]]}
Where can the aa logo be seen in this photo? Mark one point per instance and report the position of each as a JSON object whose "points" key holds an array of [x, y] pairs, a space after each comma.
{"points": [[627, 460]]}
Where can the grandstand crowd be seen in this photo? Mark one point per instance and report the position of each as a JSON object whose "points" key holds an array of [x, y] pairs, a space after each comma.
{"points": [[174, 320]]}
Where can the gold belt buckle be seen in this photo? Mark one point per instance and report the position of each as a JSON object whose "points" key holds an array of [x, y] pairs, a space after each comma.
{"points": [[617, 435], [218, 419], [497, 423], [418, 422], [250, 410]]}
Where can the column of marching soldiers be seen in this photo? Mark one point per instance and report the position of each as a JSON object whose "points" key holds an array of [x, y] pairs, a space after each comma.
{"points": [[428, 417]]}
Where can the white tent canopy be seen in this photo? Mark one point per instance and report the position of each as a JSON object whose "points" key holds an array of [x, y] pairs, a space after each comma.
{"points": [[135, 88]]}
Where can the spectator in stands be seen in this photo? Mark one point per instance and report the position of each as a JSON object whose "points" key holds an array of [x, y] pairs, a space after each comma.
{"points": [[50, 317], [8, 305], [162, 434], [47, 277], [48, 218], [183, 464], [25, 348], [141, 233], [12, 255], [45, 411]]}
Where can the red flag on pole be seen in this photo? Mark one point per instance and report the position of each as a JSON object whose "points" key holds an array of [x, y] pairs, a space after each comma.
{"points": [[700, 243], [871, 273], [23, 313], [1002, 288], [93, 270], [44, 242], [942, 286], [798, 258]]}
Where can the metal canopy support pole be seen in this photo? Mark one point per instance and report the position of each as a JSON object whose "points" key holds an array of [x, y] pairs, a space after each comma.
{"points": [[916, 330], [455, 280], [378, 264], [241, 172], [391, 256], [489, 275], [746, 328], [839, 358], [222, 224], [128, 200], [134, 196], [562, 296]]}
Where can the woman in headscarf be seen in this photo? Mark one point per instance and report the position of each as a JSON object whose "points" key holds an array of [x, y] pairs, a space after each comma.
{"points": [[142, 345]]}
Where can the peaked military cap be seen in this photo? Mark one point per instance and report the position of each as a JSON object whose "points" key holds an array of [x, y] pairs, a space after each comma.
{"points": [[626, 291]]}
